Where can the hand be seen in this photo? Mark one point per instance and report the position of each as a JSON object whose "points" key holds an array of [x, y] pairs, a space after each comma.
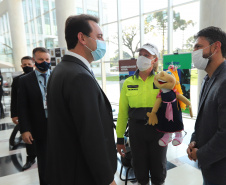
{"points": [[194, 154], [113, 183], [120, 148], [27, 137], [153, 120], [15, 120], [189, 149]]}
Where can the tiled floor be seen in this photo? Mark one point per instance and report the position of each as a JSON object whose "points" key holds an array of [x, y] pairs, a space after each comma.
{"points": [[181, 171]]}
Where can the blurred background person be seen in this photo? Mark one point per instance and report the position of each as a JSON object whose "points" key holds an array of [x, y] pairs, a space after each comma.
{"points": [[32, 108], [27, 65]]}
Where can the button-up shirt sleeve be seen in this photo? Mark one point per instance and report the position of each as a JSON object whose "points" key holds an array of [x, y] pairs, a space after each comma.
{"points": [[123, 112]]}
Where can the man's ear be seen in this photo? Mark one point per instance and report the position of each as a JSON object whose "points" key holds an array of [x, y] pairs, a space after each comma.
{"points": [[218, 46], [81, 38], [177, 82]]}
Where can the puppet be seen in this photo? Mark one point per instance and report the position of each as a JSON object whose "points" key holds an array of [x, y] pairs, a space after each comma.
{"points": [[166, 114]]}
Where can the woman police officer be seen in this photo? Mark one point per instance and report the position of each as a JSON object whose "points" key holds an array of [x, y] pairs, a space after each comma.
{"points": [[137, 97]]}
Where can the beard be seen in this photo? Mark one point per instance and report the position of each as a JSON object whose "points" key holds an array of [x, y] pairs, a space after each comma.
{"points": [[209, 56]]}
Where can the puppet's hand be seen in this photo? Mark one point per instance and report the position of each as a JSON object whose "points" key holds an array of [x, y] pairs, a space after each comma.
{"points": [[152, 118], [190, 110]]}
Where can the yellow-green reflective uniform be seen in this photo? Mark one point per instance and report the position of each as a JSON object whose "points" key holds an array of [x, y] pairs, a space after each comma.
{"points": [[135, 93]]}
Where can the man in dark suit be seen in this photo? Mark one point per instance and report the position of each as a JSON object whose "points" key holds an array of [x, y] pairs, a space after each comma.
{"points": [[2, 114], [27, 65], [208, 140], [81, 145], [33, 109]]}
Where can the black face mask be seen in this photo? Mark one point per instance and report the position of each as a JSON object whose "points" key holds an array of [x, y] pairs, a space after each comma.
{"points": [[27, 69], [44, 66]]}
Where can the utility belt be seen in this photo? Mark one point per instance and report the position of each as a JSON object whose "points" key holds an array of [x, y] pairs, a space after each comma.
{"points": [[139, 114]]}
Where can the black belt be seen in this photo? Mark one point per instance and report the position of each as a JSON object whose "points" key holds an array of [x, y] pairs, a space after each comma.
{"points": [[139, 113]]}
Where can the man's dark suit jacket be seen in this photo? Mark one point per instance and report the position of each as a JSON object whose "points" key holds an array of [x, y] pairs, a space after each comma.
{"points": [[81, 145], [13, 106], [210, 128], [30, 107]]}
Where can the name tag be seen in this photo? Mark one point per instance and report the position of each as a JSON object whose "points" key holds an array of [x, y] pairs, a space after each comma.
{"points": [[132, 86]]}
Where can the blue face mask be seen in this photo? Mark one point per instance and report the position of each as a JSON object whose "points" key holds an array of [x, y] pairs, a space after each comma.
{"points": [[100, 51], [44, 66]]}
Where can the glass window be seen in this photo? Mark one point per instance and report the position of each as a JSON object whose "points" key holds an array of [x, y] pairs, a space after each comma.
{"points": [[79, 10], [129, 8], [46, 5], [92, 12], [109, 8], [7, 22], [34, 41], [187, 25], [4, 23], [92, 7], [24, 10], [38, 7], [79, 3], [31, 9], [32, 27], [130, 37], [154, 5], [49, 43], [5, 39], [1, 23], [28, 39], [39, 25], [112, 81], [54, 22], [26, 28], [111, 37], [40, 43], [156, 29], [176, 2], [53, 4], [47, 24]]}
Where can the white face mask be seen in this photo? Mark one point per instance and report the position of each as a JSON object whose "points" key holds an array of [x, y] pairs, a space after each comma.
{"points": [[143, 63], [198, 60]]}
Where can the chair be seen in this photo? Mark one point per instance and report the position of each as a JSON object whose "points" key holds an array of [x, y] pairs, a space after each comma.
{"points": [[126, 163]]}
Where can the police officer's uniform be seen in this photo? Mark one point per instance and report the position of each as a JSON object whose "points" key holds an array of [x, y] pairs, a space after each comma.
{"points": [[136, 99]]}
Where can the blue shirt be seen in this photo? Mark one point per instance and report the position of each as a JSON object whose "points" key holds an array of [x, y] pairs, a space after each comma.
{"points": [[43, 88]]}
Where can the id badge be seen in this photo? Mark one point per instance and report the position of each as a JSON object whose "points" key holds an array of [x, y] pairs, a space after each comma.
{"points": [[45, 104]]}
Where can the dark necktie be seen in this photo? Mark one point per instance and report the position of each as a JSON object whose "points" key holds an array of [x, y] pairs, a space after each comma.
{"points": [[44, 76]]}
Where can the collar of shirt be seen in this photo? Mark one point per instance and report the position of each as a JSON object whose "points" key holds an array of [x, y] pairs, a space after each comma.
{"points": [[38, 73], [137, 73], [80, 58]]}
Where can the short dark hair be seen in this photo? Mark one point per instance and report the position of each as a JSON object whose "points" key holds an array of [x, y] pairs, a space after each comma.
{"points": [[214, 34], [74, 25], [39, 49], [26, 58]]}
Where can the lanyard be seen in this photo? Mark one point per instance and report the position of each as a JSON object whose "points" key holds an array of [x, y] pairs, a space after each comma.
{"points": [[45, 89], [44, 95]]}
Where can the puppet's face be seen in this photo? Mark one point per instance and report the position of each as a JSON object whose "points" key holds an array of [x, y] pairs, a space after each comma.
{"points": [[165, 80]]}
